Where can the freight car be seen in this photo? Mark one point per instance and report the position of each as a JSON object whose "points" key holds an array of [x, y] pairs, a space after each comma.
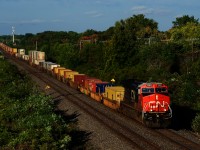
{"points": [[148, 101]]}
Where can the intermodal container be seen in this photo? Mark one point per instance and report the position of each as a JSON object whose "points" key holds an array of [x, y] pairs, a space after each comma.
{"points": [[55, 70], [100, 87], [45, 64], [51, 66], [90, 83], [21, 51], [79, 79], [31, 56], [36, 57], [115, 93], [40, 55], [69, 75], [36, 62], [61, 72], [14, 50]]}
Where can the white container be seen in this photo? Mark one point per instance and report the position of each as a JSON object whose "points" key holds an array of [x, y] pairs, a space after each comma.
{"points": [[51, 66], [21, 51]]}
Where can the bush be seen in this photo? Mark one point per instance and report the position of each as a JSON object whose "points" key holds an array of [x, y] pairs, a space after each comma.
{"points": [[28, 119], [196, 123]]}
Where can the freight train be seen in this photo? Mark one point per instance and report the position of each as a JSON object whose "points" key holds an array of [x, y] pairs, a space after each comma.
{"points": [[148, 101]]}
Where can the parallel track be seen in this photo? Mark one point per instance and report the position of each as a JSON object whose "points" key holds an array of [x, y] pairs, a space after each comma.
{"points": [[178, 139], [124, 132], [170, 135], [135, 140]]}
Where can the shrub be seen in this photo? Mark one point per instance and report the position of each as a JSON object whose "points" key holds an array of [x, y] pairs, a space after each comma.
{"points": [[196, 123]]}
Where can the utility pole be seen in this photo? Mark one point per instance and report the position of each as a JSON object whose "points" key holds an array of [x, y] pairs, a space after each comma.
{"points": [[13, 34]]}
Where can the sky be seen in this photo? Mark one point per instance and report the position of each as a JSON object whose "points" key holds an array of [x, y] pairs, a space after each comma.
{"points": [[36, 16]]}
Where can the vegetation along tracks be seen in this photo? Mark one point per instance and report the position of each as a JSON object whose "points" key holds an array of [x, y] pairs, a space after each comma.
{"points": [[124, 132]]}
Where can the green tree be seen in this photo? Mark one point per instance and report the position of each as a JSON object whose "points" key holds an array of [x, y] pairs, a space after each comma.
{"points": [[182, 21], [189, 31], [126, 35]]}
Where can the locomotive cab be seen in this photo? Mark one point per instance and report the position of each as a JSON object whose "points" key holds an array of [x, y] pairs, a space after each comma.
{"points": [[154, 103]]}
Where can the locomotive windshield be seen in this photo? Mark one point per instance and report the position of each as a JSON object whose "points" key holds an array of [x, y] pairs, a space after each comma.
{"points": [[161, 90], [149, 91]]}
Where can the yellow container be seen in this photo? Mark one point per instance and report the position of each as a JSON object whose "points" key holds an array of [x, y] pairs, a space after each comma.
{"points": [[55, 70], [115, 93], [62, 71], [14, 50], [70, 75]]}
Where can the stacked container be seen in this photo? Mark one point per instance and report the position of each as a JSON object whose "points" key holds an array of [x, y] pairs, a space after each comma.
{"points": [[113, 96], [51, 66], [14, 51], [55, 71], [21, 51], [115, 93], [61, 74], [69, 75], [45, 64], [90, 84], [36, 56], [98, 89], [79, 79]]}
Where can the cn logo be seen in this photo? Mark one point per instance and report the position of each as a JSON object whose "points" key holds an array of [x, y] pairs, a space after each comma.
{"points": [[153, 104]]}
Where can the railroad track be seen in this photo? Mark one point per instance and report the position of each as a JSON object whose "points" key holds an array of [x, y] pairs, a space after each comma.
{"points": [[124, 132], [178, 139], [170, 135]]}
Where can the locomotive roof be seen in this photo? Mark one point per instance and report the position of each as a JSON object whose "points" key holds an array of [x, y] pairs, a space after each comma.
{"points": [[152, 84]]}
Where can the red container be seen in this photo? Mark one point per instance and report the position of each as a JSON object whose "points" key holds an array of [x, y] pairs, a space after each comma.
{"points": [[91, 83], [79, 79]]}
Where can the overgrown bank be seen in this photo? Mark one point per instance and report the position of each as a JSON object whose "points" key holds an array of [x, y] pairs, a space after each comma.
{"points": [[29, 119]]}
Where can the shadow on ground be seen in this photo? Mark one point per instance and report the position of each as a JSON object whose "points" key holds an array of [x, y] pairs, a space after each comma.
{"points": [[182, 117]]}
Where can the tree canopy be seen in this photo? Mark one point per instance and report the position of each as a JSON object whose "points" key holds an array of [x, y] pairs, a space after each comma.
{"points": [[132, 48], [181, 21]]}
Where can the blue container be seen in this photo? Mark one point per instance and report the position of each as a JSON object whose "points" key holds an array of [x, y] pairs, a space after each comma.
{"points": [[100, 87]]}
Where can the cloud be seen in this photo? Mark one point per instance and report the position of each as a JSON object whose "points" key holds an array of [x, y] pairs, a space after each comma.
{"points": [[142, 10], [94, 14]]}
